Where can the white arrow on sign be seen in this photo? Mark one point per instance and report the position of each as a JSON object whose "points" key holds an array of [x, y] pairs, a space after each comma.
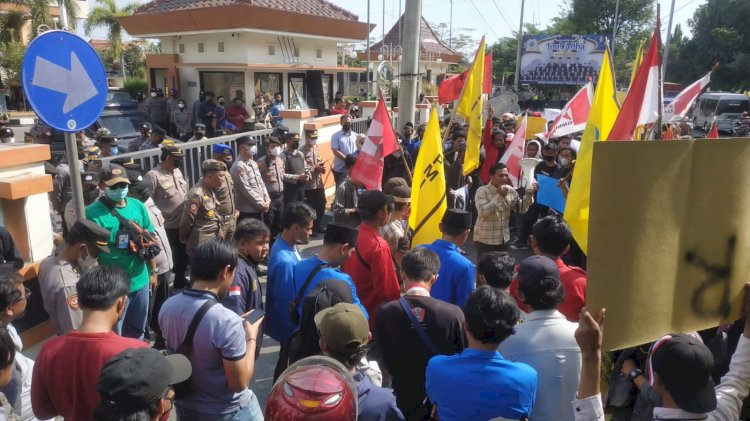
{"points": [[74, 83]]}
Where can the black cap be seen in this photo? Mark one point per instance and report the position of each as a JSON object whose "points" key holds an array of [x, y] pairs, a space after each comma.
{"points": [[127, 163], [337, 233], [159, 131], [6, 132], [409, 124], [457, 218], [92, 233], [135, 378], [134, 176], [112, 174], [147, 126], [280, 130], [91, 178], [684, 364], [273, 139], [372, 201], [246, 139], [536, 268], [107, 139]]}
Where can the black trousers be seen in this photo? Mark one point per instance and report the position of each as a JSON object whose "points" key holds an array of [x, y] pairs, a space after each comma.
{"points": [[294, 192], [316, 198], [250, 215], [179, 257], [155, 301], [274, 214], [338, 177]]}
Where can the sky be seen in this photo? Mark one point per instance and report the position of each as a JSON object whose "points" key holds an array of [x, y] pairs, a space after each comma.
{"points": [[492, 18]]}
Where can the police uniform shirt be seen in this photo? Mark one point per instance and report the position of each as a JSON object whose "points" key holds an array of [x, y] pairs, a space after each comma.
{"points": [[200, 219], [135, 144], [168, 189], [63, 190], [57, 283], [273, 172], [250, 190], [163, 260], [312, 160]]}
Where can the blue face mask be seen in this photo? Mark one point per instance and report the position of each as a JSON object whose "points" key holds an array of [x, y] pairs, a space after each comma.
{"points": [[114, 150], [117, 195]]}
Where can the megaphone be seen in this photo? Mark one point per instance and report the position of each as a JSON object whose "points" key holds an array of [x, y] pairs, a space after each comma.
{"points": [[527, 171]]}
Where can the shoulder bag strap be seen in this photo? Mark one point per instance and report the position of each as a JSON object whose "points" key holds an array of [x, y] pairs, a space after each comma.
{"points": [[361, 259], [187, 344], [305, 284], [418, 327], [124, 223]]}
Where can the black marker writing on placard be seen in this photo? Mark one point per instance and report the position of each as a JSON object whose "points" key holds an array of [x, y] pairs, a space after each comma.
{"points": [[720, 275]]}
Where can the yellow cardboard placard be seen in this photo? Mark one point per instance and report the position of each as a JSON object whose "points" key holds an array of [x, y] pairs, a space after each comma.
{"points": [[535, 125], [669, 236]]}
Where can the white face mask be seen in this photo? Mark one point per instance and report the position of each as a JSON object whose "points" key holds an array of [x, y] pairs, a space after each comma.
{"points": [[564, 162], [153, 94], [253, 150], [275, 151], [180, 106], [87, 263]]}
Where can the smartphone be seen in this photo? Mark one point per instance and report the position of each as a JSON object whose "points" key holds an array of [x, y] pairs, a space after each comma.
{"points": [[254, 316]]}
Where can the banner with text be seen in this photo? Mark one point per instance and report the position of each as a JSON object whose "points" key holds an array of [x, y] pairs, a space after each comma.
{"points": [[561, 59]]}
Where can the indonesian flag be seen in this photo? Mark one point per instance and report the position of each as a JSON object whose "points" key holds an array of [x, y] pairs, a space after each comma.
{"points": [[714, 132], [514, 153], [380, 142], [677, 109], [641, 105], [574, 115], [450, 88]]}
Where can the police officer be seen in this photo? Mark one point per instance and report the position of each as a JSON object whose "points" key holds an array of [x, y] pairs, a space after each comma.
{"points": [[59, 274], [200, 219], [272, 170], [315, 192], [91, 192], [250, 190], [107, 145], [7, 135], [296, 171], [200, 132], [168, 190], [227, 206], [136, 143], [154, 139]]}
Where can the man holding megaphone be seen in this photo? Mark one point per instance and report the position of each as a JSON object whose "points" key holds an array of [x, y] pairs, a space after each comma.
{"points": [[495, 202]]}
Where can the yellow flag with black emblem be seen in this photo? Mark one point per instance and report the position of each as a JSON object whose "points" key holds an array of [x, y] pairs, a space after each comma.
{"points": [[470, 108], [428, 202]]}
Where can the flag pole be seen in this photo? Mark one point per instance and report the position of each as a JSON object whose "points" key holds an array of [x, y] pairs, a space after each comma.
{"points": [[660, 77], [463, 88]]}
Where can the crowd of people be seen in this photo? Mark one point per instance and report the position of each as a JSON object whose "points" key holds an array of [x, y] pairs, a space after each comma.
{"points": [[368, 326]]}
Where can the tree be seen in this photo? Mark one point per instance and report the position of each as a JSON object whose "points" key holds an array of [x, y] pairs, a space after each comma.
{"points": [[11, 56], [461, 40], [40, 14], [11, 25], [720, 32], [135, 61], [106, 14]]}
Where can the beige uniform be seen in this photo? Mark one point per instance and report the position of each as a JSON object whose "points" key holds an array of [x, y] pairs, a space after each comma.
{"points": [[200, 218], [168, 189], [226, 206], [57, 283]]}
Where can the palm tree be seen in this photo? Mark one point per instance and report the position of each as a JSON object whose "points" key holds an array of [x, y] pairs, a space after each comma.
{"points": [[106, 14], [11, 24]]}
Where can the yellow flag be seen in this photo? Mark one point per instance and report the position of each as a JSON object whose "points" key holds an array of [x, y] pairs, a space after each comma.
{"points": [[428, 202], [604, 110], [470, 108], [638, 60]]}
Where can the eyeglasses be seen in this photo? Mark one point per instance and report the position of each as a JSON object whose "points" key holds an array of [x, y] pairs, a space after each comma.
{"points": [[25, 296], [120, 185]]}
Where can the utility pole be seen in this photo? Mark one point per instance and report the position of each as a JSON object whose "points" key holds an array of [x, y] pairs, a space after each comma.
{"points": [[665, 54], [368, 51], [407, 95], [517, 77]]}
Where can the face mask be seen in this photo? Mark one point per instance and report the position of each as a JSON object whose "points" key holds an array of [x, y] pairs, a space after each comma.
{"points": [[564, 162], [87, 263], [549, 158], [180, 106], [221, 102], [153, 94], [165, 416], [177, 163], [114, 150], [116, 195], [346, 127], [275, 151], [253, 150]]}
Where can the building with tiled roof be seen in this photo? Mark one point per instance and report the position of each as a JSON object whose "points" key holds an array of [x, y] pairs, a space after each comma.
{"points": [[247, 47]]}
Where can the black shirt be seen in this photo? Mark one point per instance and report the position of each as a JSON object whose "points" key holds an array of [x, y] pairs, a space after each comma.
{"points": [[404, 354], [556, 171]]}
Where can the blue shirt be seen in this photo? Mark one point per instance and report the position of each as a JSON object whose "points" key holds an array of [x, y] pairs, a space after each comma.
{"points": [[375, 403], [455, 280], [302, 271], [346, 143], [480, 385], [220, 336], [280, 289], [412, 146]]}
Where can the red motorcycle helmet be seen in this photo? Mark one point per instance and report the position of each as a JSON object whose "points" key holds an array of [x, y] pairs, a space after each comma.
{"points": [[313, 388]]}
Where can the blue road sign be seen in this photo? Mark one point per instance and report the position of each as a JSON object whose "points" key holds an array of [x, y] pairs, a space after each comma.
{"points": [[64, 80]]}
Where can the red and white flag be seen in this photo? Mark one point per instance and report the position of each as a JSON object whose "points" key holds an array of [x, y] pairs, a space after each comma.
{"points": [[641, 105], [380, 142], [450, 88], [574, 115], [514, 153], [677, 109]]}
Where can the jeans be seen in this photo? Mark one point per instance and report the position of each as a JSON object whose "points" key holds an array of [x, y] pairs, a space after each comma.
{"points": [[250, 412], [133, 321]]}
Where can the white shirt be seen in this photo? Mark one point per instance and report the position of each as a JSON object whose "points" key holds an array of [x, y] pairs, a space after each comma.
{"points": [[546, 341]]}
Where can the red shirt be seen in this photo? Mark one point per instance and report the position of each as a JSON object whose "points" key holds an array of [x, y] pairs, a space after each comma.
{"points": [[574, 283], [377, 284], [339, 111], [237, 115], [66, 371]]}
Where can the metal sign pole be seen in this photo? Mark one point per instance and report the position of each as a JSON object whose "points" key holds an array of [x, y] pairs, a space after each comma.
{"points": [[71, 151]]}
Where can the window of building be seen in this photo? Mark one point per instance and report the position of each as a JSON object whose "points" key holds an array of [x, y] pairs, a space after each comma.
{"points": [[201, 47], [181, 48], [318, 52], [296, 51], [267, 83], [221, 46], [271, 50]]}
